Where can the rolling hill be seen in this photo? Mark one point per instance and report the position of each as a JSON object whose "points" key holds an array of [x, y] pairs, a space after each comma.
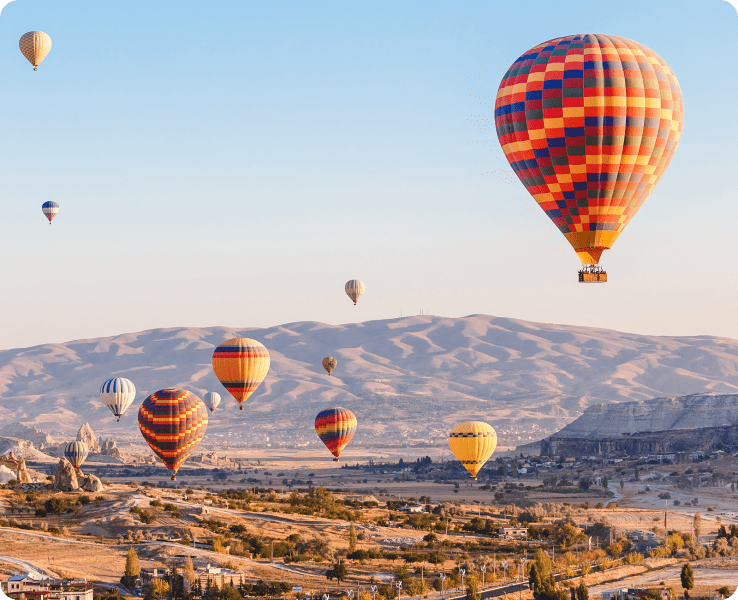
{"points": [[408, 380]]}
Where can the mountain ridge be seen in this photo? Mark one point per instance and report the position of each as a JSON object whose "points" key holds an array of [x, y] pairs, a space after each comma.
{"points": [[409, 380]]}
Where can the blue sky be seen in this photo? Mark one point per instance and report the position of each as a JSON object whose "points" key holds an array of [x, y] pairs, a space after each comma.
{"points": [[234, 163]]}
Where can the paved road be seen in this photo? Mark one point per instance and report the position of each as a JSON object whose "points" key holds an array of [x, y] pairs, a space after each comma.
{"points": [[28, 567]]}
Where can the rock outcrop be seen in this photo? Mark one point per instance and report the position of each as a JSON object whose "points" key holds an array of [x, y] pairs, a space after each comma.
{"points": [[110, 448], [40, 439], [90, 483], [696, 411], [66, 478], [16, 465], [86, 435]]}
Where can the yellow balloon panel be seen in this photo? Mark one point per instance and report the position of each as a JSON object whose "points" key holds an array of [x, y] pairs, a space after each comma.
{"points": [[473, 443]]}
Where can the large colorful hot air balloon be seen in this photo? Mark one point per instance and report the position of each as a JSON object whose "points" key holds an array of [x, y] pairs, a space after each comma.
{"points": [[589, 123], [172, 422], [355, 289], [335, 428], [329, 363], [35, 45], [50, 209], [211, 399], [76, 453], [472, 443], [118, 394], [241, 364]]}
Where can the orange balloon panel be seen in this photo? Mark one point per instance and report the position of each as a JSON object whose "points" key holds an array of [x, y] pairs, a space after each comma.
{"points": [[589, 123], [241, 364]]}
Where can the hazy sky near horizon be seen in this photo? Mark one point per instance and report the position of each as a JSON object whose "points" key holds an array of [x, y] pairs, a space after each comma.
{"points": [[234, 163]]}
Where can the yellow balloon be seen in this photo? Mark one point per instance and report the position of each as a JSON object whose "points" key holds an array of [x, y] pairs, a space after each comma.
{"points": [[35, 45], [241, 364], [473, 443]]}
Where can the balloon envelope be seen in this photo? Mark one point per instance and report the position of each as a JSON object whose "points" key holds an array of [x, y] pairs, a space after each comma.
{"points": [[473, 443], [335, 427], [172, 421], [241, 364], [211, 399], [118, 394], [329, 363], [35, 45], [76, 453], [589, 123], [354, 289], [50, 209]]}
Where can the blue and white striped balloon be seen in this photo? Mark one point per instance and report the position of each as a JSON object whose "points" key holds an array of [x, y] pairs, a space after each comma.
{"points": [[118, 394], [211, 399], [76, 453], [50, 209]]}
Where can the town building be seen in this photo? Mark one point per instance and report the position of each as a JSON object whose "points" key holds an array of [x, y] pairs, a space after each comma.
{"points": [[220, 576], [32, 586], [515, 533]]}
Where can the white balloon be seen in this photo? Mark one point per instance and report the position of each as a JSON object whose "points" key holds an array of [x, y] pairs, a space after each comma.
{"points": [[212, 399], [118, 394]]}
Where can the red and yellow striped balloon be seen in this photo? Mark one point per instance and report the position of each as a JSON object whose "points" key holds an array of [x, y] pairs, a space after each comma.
{"points": [[241, 364], [172, 422], [335, 427]]}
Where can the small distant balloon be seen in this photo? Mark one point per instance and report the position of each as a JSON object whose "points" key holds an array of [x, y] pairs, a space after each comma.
{"points": [[211, 399], [329, 363], [35, 45], [335, 427], [473, 443], [50, 209], [355, 290], [76, 453], [118, 394]]}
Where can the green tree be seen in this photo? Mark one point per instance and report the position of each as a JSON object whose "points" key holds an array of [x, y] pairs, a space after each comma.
{"points": [[697, 524], [622, 484], [132, 569], [338, 572], [188, 574], [352, 538], [687, 578], [582, 591], [472, 588], [229, 593], [724, 591], [158, 589], [604, 482], [541, 577]]}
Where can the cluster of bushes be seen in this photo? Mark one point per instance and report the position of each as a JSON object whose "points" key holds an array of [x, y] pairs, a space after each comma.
{"points": [[146, 516]]}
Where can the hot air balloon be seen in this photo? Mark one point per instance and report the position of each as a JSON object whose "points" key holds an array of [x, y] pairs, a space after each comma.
{"points": [[473, 443], [589, 123], [50, 209], [355, 289], [211, 399], [329, 363], [241, 364], [35, 45], [118, 394], [335, 428], [172, 422], [76, 453]]}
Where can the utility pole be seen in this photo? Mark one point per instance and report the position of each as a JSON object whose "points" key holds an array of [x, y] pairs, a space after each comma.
{"points": [[443, 580], [483, 569]]}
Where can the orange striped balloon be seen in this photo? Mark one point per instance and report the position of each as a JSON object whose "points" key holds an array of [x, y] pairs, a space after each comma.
{"points": [[241, 364], [172, 422], [329, 363], [335, 427]]}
